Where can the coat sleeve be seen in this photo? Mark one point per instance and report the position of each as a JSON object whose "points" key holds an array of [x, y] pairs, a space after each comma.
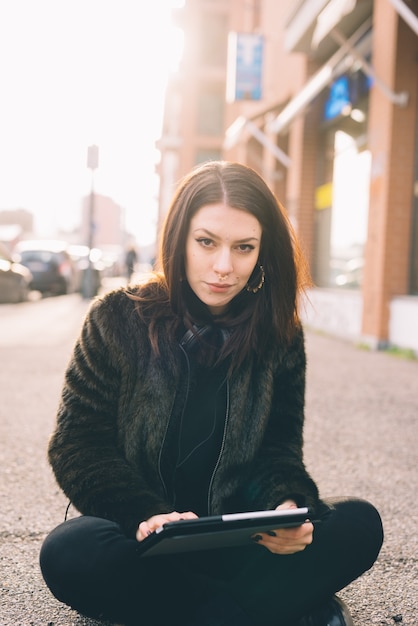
{"points": [[84, 451], [278, 471]]}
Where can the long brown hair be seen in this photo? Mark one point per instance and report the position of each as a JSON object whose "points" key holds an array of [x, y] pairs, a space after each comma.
{"points": [[255, 319]]}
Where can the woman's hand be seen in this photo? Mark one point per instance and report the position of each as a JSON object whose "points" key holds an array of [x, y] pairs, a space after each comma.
{"points": [[287, 540], [148, 526]]}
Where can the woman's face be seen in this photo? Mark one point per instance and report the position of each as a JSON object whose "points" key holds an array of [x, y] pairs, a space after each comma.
{"points": [[222, 249]]}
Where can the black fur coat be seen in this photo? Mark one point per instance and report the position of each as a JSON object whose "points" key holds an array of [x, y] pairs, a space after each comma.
{"points": [[114, 411]]}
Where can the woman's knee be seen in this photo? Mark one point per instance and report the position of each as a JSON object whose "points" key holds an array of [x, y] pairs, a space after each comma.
{"points": [[69, 555], [360, 525], [374, 529], [90, 565]]}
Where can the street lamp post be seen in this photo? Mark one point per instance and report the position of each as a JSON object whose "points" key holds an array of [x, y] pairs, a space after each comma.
{"points": [[89, 284]]}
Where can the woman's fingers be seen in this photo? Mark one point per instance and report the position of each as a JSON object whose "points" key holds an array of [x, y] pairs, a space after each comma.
{"points": [[148, 526], [287, 540]]}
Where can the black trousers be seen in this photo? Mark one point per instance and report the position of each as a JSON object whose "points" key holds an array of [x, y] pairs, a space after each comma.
{"points": [[90, 565]]}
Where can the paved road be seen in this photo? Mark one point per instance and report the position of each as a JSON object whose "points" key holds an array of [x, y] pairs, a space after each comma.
{"points": [[361, 438]]}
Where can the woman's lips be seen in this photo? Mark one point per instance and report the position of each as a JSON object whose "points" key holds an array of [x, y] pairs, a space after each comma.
{"points": [[219, 287]]}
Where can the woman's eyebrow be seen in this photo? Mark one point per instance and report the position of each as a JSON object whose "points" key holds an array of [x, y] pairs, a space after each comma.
{"points": [[214, 236], [247, 239]]}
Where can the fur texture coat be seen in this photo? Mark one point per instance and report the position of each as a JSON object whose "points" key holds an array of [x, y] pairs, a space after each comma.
{"points": [[115, 408]]}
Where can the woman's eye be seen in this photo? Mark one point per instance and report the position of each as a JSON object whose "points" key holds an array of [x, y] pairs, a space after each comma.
{"points": [[204, 241], [245, 247]]}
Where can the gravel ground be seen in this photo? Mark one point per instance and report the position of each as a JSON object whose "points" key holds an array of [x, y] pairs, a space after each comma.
{"points": [[360, 439]]}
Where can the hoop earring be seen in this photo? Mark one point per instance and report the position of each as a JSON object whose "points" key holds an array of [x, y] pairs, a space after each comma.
{"points": [[260, 284]]}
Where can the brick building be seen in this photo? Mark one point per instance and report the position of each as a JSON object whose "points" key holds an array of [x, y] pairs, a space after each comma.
{"points": [[320, 97]]}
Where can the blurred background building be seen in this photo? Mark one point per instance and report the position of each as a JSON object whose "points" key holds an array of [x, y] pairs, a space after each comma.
{"points": [[14, 224], [320, 97], [108, 222]]}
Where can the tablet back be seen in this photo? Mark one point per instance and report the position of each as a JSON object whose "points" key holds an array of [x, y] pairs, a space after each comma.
{"points": [[220, 531]]}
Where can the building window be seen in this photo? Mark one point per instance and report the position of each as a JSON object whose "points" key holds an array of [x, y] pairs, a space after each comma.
{"points": [[350, 206], [210, 112]]}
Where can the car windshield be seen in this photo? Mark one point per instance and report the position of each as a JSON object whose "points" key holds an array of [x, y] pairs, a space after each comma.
{"points": [[37, 255]]}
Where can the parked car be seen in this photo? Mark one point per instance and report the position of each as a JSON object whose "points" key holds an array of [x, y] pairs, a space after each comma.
{"points": [[86, 260], [14, 279], [53, 270]]}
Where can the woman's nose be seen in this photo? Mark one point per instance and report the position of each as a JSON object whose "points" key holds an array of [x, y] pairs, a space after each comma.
{"points": [[223, 262]]}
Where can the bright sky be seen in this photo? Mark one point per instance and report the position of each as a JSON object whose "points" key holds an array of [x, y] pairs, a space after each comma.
{"points": [[74, 73]]}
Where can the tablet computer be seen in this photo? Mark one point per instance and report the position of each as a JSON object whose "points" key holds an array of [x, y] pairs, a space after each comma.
{"points": [[218, 531]]}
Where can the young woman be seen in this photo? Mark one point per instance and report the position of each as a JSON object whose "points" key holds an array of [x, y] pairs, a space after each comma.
{"points": [[184, 397]]}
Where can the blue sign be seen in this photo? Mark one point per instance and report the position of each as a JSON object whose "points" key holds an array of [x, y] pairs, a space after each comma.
{"points": [[345, 91], [245, 66], [339, 98]]}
